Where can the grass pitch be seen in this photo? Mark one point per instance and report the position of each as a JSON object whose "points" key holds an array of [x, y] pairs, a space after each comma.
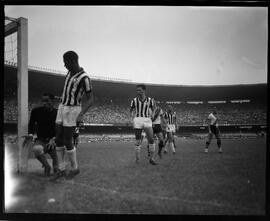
{"points": [[188, 183]]}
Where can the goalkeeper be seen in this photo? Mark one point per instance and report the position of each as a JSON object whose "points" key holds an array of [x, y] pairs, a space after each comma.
{"points": [[42, 123]]}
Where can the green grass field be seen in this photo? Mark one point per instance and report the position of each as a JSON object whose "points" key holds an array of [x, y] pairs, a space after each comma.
{"points": [[190, 182]]}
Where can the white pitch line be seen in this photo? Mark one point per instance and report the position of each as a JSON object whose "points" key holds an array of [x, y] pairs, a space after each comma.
{"points": [[136, 195]]}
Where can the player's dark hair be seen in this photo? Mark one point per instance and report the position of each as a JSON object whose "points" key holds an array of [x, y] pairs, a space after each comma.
{"points": [[141, 86], [51, 96], [71, 56]]}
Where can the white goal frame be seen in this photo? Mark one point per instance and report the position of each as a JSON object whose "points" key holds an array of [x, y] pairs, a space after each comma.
{"points": [[20, 25]]}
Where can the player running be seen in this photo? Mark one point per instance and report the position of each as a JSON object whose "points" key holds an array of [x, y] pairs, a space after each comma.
{"points": [[77, 97], [213, 130], [170, 117], [142, 121]]}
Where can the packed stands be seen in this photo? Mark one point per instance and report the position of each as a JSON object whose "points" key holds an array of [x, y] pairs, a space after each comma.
{"points": [[187, 114], [113, 107], [228, 114]]}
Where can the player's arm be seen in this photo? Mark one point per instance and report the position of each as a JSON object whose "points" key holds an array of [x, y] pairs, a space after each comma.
{"points": [[209, 123], [162, 118], [87, 98], [215, 123], [165, 118], [156, 113], [32, 122], [176, 125], [51, 144], [131, 112], [154, 110], [87, 101], [153, 105]]}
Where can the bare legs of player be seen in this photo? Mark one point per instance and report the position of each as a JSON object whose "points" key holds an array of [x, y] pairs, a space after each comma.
{"points": [[138, 143], [64, 145], [170, 144]]}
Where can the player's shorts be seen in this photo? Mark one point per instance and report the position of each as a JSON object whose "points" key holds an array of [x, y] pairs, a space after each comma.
{"points": [[67, 115], [214, 129], [170, 128], [157, 128], [75, 135], [142, 122]]}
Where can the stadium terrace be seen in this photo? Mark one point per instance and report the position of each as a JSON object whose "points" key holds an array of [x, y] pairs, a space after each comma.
{"points": [[111, 104]]}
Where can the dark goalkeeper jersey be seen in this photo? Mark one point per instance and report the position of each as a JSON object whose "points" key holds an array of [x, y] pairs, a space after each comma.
{"points": [[42, 122]]}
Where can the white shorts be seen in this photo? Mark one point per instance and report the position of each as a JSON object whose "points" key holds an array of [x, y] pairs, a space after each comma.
{"points": [[67, 115], [170, 128], [142, 122]]}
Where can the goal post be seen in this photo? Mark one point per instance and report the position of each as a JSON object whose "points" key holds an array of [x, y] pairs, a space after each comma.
{"points": [[20, 26]]}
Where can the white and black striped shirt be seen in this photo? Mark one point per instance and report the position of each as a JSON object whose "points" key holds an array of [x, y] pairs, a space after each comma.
{"points": [[142, 108], [75, 86], [170, 117]]}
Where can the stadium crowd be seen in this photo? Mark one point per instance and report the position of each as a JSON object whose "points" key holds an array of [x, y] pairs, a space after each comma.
{"points": [[187, 114]]}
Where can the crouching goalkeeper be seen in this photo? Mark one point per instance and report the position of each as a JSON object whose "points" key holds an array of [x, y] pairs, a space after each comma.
{"points": [[42, 123]]}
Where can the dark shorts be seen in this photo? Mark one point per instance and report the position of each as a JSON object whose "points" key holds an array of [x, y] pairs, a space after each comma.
{"points": [[214, 129], [157, 128], [75, 135]]}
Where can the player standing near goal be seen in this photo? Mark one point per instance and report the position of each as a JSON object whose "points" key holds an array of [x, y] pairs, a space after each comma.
{"points": [[143, 107], [170, 117], [42, 123], [76, 99], [213, 130]]}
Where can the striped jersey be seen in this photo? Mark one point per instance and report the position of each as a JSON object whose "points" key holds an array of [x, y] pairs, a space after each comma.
{"points": [[170, 117], [157, 116], [142, 108], [74, 88]]}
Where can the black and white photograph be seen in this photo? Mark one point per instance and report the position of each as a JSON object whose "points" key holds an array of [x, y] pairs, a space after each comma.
{"points": [[135, 109]]}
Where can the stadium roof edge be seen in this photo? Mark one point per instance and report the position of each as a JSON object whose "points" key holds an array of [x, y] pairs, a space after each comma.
{"points": [[63, 73], [188, 85]]}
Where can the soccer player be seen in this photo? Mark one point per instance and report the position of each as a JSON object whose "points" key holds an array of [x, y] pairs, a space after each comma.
{"points": [[42, 123], [157, 118], [170, 117], [213, 130], [142, 121], [164, 129], [76, 137], [77, 97]]}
